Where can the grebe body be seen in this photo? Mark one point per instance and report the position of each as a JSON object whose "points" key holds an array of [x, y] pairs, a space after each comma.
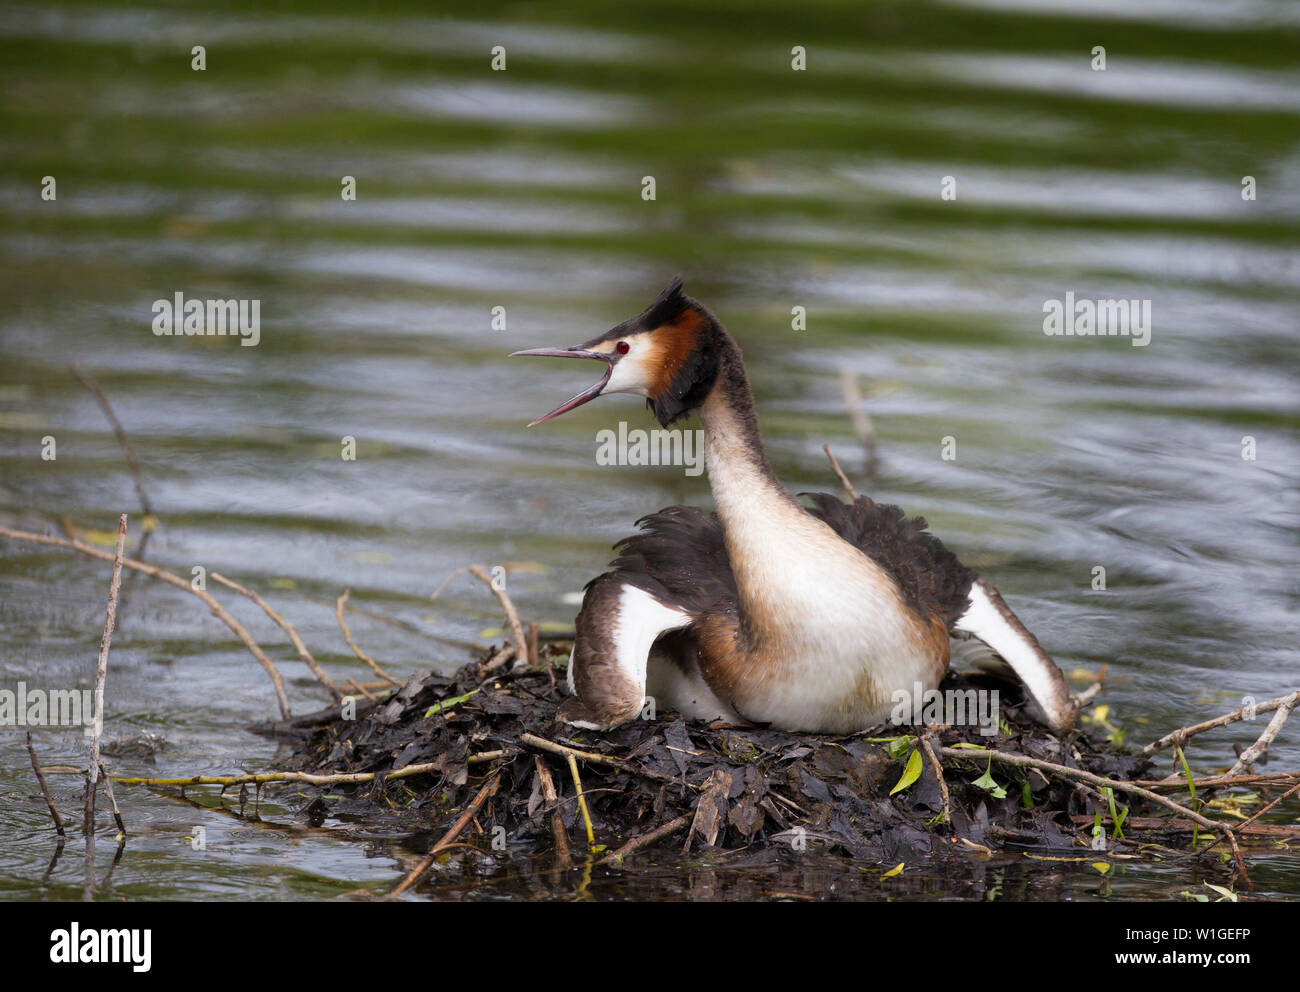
{"points": [[804, 618]]}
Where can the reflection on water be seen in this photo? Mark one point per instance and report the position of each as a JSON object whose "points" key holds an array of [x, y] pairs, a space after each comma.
{"points": [[522, 189]]}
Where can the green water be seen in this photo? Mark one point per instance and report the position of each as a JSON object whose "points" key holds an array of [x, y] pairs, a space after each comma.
{"points": [[522, 189]]}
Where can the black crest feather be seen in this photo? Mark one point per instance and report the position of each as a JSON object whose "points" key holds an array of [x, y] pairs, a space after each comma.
{"points": [[667, 304]]}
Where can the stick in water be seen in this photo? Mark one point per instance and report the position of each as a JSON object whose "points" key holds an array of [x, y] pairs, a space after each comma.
{"points": [[101, 672], [45, 789]]}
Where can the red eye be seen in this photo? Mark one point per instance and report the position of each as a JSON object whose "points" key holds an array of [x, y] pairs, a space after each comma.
{"points": [[623, 347]]}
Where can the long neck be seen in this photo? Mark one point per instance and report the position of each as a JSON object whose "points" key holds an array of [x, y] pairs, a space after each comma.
{"points": [[754, 507]]}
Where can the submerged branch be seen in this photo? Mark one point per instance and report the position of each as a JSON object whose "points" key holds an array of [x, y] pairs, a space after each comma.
{"points": [[45, 789]]}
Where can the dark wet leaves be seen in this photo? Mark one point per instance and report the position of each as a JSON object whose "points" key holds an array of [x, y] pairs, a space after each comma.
{"points": [[744, 788]]}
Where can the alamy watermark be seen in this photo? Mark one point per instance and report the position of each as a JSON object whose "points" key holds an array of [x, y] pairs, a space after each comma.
{"points": [[102, 946], [653, 447], [26, 707], [214, 318], [918, 706], [1098, 318]]}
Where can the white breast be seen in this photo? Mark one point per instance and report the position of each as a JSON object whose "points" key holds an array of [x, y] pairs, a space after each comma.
{"points": [[842, 627]]}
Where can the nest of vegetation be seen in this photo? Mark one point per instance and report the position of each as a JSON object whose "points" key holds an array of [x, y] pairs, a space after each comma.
{"points": [[488, 742]]}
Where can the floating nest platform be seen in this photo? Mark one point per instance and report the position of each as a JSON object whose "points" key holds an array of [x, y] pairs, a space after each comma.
{"points": [[487, 744]]}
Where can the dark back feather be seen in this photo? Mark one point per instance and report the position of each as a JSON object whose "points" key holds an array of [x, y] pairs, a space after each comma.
{"points": [[929, 575], [680, 556]]}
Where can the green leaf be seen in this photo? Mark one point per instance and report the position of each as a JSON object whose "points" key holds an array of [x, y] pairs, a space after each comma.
{"points": [[895, 747], [911, 773], [1191, 786], [1116, 817], [986, 783], [447, 704]]}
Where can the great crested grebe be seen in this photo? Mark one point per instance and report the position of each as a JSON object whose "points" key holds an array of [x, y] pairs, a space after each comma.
{"points": [[767, 611]]}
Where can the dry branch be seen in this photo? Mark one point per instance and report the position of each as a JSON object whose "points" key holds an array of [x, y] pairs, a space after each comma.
{"points": [[45, 789], [288, 628], [512, 615], [557, 822], [844, 479], [101, 674], [347, 636], [498, 659], [648, 838], [1182, 733], [938, 772], [173, 579], [462, 821], [582, 800], [337, 778], [858, 416], [1079, 775], [1183, 825], [132, 459], [1260, 747], [564, 751]]}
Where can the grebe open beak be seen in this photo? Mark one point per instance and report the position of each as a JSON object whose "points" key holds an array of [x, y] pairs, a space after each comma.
{"points": [[588, 394]]}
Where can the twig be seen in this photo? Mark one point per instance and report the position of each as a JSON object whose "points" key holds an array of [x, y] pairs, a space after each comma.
{"points": [[1236, 856], [112, 799], [534, 654], [938, 772], [1079, 774], [844, 479], [1260, 747], [445, 583], [453, 642], [1182, 733], [101, 673], [169, 577], [1178, 782], [45, 789], [582, 800], [338, 778], [361, 689], [1260, 812], [557, 822], [462, 821], [512, 615], [347, 636], [1087, 696], [132, 459], [498, 659], [531, 740], [288, 628], [862, 425], [1182, 825], [646, 839], [1247, 825]]}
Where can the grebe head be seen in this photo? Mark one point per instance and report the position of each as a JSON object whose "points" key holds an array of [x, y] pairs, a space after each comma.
{"points": [[669, 353]]}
